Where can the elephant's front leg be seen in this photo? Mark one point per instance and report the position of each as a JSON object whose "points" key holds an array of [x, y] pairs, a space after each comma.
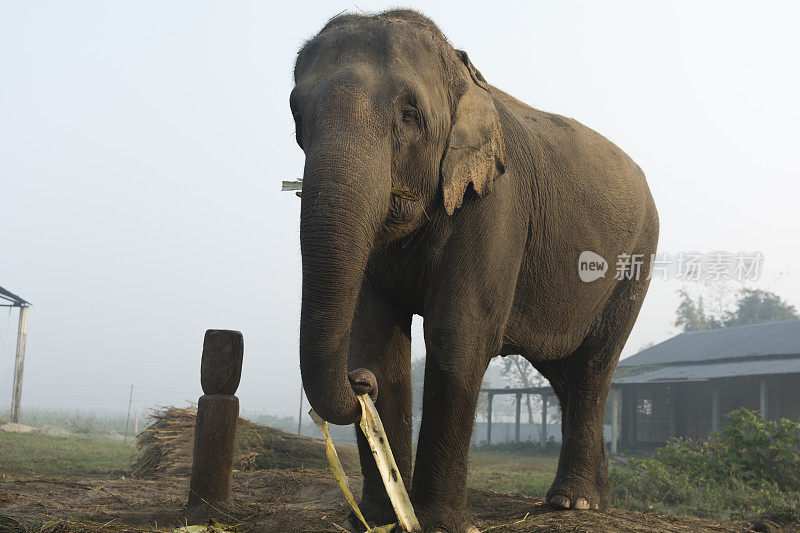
{"points": [[454, 370], [380, 341]]}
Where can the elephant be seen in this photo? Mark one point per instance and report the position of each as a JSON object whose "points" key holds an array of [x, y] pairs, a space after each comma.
{"points": [[426, 191]]}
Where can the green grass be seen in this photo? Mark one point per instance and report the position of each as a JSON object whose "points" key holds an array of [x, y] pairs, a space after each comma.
{"points": [[75, 421], [517, 471], [674, 493], [32, 454]]}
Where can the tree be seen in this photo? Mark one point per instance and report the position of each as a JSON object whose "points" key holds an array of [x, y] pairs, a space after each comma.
{"points": [[752, 306], [691, 315], [518, 372], [755, 306]]}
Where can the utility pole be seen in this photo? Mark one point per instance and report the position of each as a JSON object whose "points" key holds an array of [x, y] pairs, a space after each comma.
{"points": [[19, 362], [128, 419]]}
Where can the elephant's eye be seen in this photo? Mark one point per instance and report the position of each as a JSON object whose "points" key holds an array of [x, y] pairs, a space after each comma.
{"points": [[411, 115]]}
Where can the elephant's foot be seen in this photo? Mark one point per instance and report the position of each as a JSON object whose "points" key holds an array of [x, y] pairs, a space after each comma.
{"points": [[572, 491], [445, 519]]}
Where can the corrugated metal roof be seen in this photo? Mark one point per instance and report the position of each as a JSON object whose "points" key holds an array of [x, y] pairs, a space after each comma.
{"points": [[11, 297], [705, 372], [772, 338]]}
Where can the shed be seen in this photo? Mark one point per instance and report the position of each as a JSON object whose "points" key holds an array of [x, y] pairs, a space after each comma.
{"points": [[9, 299], [685, 385]]}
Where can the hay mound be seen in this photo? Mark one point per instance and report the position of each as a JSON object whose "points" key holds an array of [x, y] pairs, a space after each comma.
{"points": [[167, 445]]}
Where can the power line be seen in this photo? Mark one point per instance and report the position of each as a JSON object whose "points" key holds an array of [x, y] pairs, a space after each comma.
{"points": [[161, 362]]}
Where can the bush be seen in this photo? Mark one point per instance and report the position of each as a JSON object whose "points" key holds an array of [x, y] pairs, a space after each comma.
{"points": [[750, 469], [750, 448]]}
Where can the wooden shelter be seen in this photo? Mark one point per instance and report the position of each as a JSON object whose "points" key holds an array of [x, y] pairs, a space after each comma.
{"points": [[544, 392], [9, 299], [684, 386]]}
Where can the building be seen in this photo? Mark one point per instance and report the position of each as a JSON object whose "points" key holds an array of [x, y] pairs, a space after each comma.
{"points": [[9, 299], [684, 386]]}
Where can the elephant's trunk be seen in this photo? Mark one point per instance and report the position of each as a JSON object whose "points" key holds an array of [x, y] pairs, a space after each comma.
{"points": [[343, 206]]}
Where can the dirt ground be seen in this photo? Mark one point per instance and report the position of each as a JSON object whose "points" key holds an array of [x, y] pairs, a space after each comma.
{"points": [[286, 500]]}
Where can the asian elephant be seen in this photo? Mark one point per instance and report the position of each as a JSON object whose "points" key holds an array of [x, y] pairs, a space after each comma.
{"points": [[428, 191]]}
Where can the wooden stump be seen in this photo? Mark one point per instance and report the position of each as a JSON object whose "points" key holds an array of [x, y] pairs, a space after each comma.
{"points": [[217, 417], [221, 365], [214, 443]]}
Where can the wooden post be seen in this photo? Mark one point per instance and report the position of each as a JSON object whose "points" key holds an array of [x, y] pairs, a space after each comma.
{"points": [[673, 411], [764, 399], [633, 393], [517, 419], [217, 417], [19, 363], [489, 420], [715, 410], [615, 401], [543, 429]]}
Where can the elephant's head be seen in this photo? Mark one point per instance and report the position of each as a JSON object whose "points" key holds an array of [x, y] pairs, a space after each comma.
{"points": [[395, 125]]}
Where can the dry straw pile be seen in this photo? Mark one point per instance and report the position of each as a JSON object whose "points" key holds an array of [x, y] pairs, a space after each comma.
{"points": [[166, 447]]}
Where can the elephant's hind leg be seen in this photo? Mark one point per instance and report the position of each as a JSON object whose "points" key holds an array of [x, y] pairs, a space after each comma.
{"points": [[581, 480], [581, 381]]}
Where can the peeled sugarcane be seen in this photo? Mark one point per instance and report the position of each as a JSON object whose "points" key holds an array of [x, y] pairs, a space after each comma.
{"points": [[373, 430]]}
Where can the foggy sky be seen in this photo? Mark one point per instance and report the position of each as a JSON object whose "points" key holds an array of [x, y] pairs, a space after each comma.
{"points": [[142, 146]]}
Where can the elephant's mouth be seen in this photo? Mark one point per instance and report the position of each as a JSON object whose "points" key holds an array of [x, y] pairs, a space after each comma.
{"points": [[405, 208], [401, 210]]}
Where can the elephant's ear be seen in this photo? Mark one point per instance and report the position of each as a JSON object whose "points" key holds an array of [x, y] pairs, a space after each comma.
{"points": [[475, 150]]}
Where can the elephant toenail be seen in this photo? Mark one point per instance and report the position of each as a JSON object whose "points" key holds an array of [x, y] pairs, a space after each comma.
{"points": [[581, 503], [559, 500]]}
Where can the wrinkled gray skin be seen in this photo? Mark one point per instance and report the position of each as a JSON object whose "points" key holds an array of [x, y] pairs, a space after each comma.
{"points": [[505, 199]]}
